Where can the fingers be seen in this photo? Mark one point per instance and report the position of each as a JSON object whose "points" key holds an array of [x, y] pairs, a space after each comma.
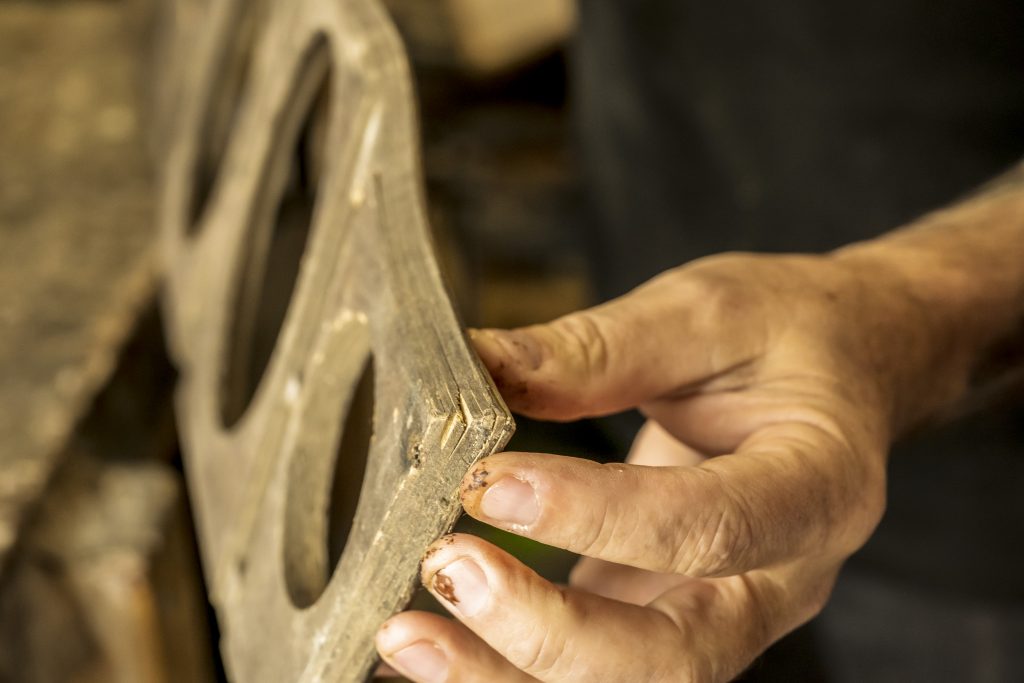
{"points": [[655, 447], [384, 671], [427, 648], [702, 630], [789, 492], [550, 633], [621, 582], [652, 342]]}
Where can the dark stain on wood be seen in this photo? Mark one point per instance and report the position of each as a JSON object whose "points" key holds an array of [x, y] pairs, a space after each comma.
{"points": [[415, 456]]}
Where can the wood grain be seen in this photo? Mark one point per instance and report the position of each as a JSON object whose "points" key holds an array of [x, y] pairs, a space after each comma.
{"points": [[367, 289]]}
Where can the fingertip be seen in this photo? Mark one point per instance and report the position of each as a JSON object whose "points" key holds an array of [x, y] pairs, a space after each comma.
{"points": [[502, 490], [473, 485], [563, 370], [397, 631], [513, 359], [423, 661], [464, 571], [517, 350], [511, 503], [477, 480], [447, 550], [530, 624], [385, 670], [408, 644], [429, 648], [434, 556]]}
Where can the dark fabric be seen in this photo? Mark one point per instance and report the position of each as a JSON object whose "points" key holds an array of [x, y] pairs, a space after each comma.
{"points": [[802, 126], [887, 632]]}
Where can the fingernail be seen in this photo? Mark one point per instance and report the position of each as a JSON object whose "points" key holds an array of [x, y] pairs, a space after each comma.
{"points": [[516, 345], [464, 585], [423, 661], [512, 501]]}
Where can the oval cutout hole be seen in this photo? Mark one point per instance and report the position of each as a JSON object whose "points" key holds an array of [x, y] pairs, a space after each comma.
{"points": [[350, 467], [221, 110], [278, 232], [323, 492]]}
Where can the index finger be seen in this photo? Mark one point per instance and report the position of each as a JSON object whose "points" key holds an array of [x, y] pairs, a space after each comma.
{"points": [[667, 336], [790, 491]]}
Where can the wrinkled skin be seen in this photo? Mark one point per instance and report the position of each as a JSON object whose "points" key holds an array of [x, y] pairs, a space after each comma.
{"points": [[773, 386]]}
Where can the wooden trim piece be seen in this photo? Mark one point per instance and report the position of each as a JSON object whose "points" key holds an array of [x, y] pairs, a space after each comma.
{"points": [[367, 287]]}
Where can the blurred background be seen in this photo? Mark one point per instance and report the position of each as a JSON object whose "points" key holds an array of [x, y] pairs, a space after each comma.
{"points": [[801, 128], [100, 577]]}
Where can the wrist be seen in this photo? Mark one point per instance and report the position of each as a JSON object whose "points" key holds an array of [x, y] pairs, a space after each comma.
{"points": [[918, 363], [948, 289]]}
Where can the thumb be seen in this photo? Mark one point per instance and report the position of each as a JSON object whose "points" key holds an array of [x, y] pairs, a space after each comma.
{"points": [[665, 338]]}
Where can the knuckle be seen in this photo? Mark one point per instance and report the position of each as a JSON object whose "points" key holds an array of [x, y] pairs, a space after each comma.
{"points": [[544, 652], [717, 290], [719, 547], [867, 508], [842, 493], [594, 536], [818, 595], [689, 667], [586, 340], [689, 661], [699, 668], [720, 542], [818, 601], [854, 485]]}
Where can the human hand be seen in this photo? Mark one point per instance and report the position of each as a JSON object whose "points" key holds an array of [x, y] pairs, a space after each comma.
{"points": [[772, 387]]}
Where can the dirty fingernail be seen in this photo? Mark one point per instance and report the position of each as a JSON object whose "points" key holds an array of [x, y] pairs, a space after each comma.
{"points": [[422, 661], [517, 345], [464, 585], [512, 501]]}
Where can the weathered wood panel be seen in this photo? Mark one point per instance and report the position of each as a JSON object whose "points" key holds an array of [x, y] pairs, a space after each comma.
{"points": [[104, 583], [77, 244], [312, 330]]}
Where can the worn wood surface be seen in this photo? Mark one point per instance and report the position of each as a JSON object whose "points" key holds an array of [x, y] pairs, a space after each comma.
{"points": [[312, 331], [77, 243], [104, 582], [90, 595]]}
